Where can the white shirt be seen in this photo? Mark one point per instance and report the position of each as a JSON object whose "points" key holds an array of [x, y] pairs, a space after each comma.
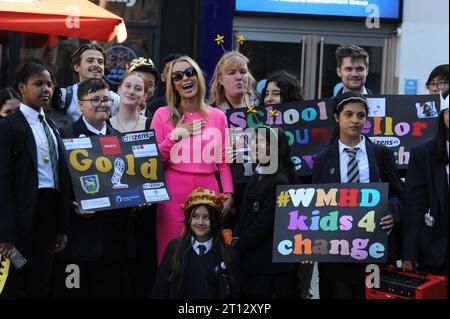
{"points": [[93, 129], [207, 244], [361, 158], [74, 111], [45, 170]]}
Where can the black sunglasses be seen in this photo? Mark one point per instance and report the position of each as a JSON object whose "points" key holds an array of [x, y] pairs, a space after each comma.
{"points": [[189, 72]]}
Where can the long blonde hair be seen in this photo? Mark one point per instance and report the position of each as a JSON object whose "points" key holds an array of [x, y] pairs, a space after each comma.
{"points": [[229, 61], [174, 98]]}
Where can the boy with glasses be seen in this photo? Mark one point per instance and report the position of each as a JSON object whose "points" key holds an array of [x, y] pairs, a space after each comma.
{"points": [[438, 80], [100, 243]]}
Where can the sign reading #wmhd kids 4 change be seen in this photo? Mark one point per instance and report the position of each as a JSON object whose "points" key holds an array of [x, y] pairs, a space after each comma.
{"points": [[330, 223], [115, 171]]}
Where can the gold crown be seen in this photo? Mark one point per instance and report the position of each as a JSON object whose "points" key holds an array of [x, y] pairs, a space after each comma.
{"points": [[201, 196], [135, 63]]}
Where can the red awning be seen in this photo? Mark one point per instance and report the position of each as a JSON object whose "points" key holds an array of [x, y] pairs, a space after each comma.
{"points": [[72, 18]]}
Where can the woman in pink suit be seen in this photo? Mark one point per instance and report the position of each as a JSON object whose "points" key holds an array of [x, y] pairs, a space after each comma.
{"points": [[191, 139]]}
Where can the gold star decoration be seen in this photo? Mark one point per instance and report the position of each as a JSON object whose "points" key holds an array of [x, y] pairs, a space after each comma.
{"points": [[273, 114], [240, 39], [219, 39], [251, 109]]}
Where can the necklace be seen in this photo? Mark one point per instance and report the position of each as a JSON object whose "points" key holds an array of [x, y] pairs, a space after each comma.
{"points": [[43, 146], [128, 130]]}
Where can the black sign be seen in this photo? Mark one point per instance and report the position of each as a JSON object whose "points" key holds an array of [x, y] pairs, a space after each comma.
{"points": [[116, 171], [396, 121], [330, 223]]}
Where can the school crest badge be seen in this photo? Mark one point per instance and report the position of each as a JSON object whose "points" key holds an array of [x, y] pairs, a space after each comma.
{"points": [[90, 184]]}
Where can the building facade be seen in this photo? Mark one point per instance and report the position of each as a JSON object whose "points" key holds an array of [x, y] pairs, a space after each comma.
{"points": [[403, 48]]}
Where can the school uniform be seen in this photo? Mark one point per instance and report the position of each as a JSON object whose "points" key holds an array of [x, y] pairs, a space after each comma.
{"points": [[376, 164], [258, 275], [426, 239], [203, 274], [100, 245], [33, 189]]}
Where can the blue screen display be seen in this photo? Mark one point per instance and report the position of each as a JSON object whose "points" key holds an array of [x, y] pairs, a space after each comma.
{"points": [[388, 9]]}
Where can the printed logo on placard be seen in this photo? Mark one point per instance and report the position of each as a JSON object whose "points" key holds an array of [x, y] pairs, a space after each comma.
{"points": [[110, 145], [147, 150], [152, 185], [130, 197], [90, 184], [385, 140], [77, 143]]}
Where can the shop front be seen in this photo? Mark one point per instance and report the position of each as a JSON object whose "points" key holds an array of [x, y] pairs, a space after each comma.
{"points": [[301, 37]]}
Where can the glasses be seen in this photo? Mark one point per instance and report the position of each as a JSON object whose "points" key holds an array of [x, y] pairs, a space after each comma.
{"points": [[97, 102], [438, 85], [189, 72]]}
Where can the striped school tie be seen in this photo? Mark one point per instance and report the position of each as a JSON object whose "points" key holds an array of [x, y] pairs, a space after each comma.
{"points": [[51, 149], [352, 167]]}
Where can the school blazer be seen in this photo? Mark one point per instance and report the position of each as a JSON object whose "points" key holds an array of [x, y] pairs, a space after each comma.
{"points": [[19, 182], [426, 189], [326, 169], [254, 228], [163, 289], [382, 168], [86, 236]]}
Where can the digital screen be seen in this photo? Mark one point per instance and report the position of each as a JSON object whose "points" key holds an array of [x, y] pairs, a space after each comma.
{"points": [[388, 9]]}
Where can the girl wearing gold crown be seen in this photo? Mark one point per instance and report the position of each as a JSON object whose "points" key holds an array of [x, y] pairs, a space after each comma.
{"points": [[197, 264]]}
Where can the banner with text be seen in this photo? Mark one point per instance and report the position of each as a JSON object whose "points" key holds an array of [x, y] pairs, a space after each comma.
{"points": [[396, 121], [116, 171]]}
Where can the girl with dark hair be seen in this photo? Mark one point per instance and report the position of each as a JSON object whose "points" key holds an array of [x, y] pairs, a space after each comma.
{"points": [[258, 276], [9, 101], [438, 80], [352, 158], [33, 185], [425, 220], [281, 87], [197, 265]]}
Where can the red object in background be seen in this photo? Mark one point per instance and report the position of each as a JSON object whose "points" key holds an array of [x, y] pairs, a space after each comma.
{"points": [[397, 284], [71, 18]]}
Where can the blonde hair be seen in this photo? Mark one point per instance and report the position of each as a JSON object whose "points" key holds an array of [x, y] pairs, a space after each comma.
{"points": [[174, 98], [229, 61]]}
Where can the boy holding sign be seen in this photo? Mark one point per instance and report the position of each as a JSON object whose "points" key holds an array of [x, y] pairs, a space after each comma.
{"points": [[99, 242], [352, 158]]}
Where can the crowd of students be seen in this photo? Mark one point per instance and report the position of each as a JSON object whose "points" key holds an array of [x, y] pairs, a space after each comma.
{"points": [[177, 249]]}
